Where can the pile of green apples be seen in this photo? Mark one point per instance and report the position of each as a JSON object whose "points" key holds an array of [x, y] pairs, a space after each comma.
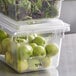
{"points": [[28, 53]]}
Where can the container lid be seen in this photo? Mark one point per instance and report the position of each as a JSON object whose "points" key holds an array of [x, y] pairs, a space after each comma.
{"points": [[12, 27]]}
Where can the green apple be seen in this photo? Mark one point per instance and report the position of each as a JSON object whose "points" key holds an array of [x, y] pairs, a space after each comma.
{"points": [[23, 37], [33, 45], [33, 64], [35, 35], [46, 62], [6, 45], [20, 40], [8, 58], [3, 35], [39, 41], [32, 37], [22, 66], [51, 49], [39, 51], [24, 51]]}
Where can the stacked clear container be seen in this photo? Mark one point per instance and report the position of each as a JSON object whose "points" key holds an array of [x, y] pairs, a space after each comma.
{"points": [[35, 48], [21, 10], [31, 41]]}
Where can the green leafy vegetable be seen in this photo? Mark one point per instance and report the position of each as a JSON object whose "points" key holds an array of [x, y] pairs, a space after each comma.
{"points": [[11, 1], [26, 4], [51, 12], [29, 9]]}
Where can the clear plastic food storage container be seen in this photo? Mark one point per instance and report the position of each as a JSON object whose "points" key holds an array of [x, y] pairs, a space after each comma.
{"points": [[21, 10], [37, 47]]}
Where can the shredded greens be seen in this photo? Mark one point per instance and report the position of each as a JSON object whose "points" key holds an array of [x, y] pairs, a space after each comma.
{"points": [[30, 9]]}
